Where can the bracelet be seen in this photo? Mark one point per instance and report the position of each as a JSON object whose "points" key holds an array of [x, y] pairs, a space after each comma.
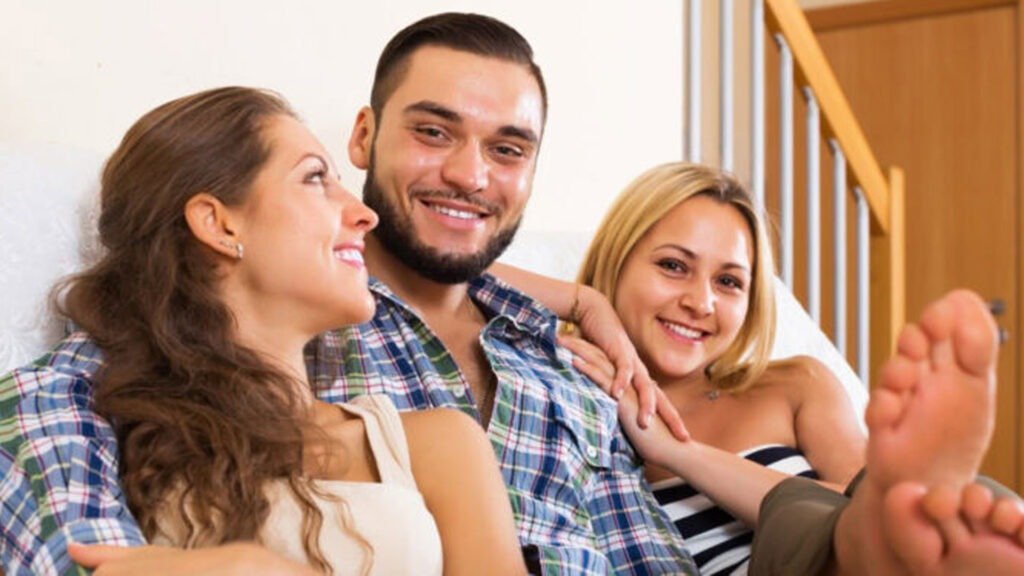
{"points": [[574, 311]]}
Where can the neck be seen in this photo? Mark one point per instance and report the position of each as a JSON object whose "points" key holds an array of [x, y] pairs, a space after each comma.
{"points": [[691, 385], [429, 298], [286, 356], [272, 335]]}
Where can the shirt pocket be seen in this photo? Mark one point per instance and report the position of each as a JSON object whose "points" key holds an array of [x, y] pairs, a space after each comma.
{"points": [[586, 422]]}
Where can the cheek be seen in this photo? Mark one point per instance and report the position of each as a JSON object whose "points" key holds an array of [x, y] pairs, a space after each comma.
{"points": [[517, 180], [515, 183], [734, 315], [636, 301]]}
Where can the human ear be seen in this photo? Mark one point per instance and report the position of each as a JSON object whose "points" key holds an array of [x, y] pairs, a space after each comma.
{"points": [[213, 224], [360, 142]]}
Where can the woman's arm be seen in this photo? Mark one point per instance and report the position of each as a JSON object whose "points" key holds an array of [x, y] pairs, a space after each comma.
{"points": [[734, 483], [237, 558], [825, 423], [456, 472]]}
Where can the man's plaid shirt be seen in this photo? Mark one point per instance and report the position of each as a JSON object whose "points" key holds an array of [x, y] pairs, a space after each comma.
{"points": [[574, 482]]}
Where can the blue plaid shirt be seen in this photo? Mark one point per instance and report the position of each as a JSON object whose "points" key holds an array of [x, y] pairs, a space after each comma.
{"points": [[575, 484]]}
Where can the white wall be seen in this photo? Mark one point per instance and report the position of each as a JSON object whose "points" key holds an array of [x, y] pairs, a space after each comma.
{"points": [[81, 72]]}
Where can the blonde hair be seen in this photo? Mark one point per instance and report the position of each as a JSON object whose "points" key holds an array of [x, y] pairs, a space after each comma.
{"points": [[642, 205]]}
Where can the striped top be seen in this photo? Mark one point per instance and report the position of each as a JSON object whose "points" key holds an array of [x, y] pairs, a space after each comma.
{"points": [[718, 542]]}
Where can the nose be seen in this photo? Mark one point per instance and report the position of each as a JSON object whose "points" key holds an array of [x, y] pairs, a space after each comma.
{"points": [[354, 213], [699, 298], [466, 169]]}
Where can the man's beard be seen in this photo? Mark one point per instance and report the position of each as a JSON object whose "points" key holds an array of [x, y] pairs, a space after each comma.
{"points": [[397, 235]]}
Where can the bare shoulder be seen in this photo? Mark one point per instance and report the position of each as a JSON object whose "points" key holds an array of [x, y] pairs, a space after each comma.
{"points": [[448, 448], [439, 424], [801, 378], [441, 436]]}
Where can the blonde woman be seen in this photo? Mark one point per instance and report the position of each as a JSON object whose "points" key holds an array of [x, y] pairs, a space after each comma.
{"points": [[684, 259]]}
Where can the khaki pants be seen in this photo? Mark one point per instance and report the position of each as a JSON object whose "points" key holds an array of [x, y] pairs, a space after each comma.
{"points": [[797, 522]]}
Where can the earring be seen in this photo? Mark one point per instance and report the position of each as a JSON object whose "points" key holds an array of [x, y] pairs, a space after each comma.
{"points": [[237, 246]]}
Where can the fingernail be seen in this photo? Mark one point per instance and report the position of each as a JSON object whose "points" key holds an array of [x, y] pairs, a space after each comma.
{"points": [[618, 393], [647, 420]]}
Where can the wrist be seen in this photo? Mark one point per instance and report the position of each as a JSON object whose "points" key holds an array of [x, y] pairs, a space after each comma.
{"points": [[677, 456], [574, 308], [585, 301]]}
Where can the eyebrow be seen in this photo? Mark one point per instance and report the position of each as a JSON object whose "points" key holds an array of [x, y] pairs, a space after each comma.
{"points": [[693, 256], [445, 113], [323, 160]]}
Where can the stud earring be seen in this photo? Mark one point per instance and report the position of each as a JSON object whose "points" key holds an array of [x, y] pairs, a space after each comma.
{"points": [[237, 246]]}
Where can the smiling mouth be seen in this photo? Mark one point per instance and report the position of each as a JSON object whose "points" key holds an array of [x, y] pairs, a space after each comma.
{"points": [[453, 213], [684, 331], [351, 256]]}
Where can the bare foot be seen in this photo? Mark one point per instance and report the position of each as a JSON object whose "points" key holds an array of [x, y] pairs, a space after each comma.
{"points": [[945, 532], [930, 420], [932, 416]]}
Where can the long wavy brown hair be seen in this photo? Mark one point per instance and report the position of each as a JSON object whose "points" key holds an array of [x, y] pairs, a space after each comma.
{"points": [[195, 412]]}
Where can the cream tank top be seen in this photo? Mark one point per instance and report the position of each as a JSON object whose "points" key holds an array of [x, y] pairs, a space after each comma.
{"points": [[391, 515]]}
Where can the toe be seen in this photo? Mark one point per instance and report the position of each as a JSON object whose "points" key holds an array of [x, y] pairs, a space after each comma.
{"points": [[1007, 516], [912, 343], [937, 325], [975, 339], [937, 319], [900, 373], [942, 505], [884, 410], [976, 505], [912, 536]]}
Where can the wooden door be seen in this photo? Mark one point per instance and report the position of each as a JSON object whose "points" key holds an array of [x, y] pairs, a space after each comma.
{"points": [[937, 93]]}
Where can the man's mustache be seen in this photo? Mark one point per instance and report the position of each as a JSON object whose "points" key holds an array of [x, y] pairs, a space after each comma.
{"points": [[490, 208]]}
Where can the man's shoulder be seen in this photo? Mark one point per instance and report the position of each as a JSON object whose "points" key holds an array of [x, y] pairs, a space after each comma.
{"points": [[63, 373], [50, 400], [504, 299]]}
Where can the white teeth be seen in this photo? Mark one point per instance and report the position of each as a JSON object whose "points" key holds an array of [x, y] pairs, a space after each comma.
{"points": [[683, 330], [461, 214], [349, 255]]}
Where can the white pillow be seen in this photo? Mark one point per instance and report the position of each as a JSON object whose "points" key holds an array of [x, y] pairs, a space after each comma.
{"points": [[47, 192], [558, 254]]}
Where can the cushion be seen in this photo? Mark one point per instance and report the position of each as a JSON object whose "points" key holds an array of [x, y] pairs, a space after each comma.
{"points": [[49, 194]]}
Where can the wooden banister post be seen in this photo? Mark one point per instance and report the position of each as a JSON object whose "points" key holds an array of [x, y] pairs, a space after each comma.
{"points": [[888, 276]]}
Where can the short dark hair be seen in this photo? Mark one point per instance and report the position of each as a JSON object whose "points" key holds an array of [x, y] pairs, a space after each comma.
{"points": [[473, 33]]}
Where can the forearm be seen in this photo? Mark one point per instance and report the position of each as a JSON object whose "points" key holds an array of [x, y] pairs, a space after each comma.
{"points": [[557, 295], [734, 483]]}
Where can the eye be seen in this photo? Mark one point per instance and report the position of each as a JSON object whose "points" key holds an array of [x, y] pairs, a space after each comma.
{"points": [[317, 175], [731, 282], [509, 151], [430, 133], [672, 265]]}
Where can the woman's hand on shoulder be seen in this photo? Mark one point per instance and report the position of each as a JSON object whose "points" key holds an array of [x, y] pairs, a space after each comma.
{"points": [[593, 362]]}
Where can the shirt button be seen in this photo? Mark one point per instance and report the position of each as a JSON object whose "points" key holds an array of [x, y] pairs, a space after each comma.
{"points": [[460, 392], [591, 452]]}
